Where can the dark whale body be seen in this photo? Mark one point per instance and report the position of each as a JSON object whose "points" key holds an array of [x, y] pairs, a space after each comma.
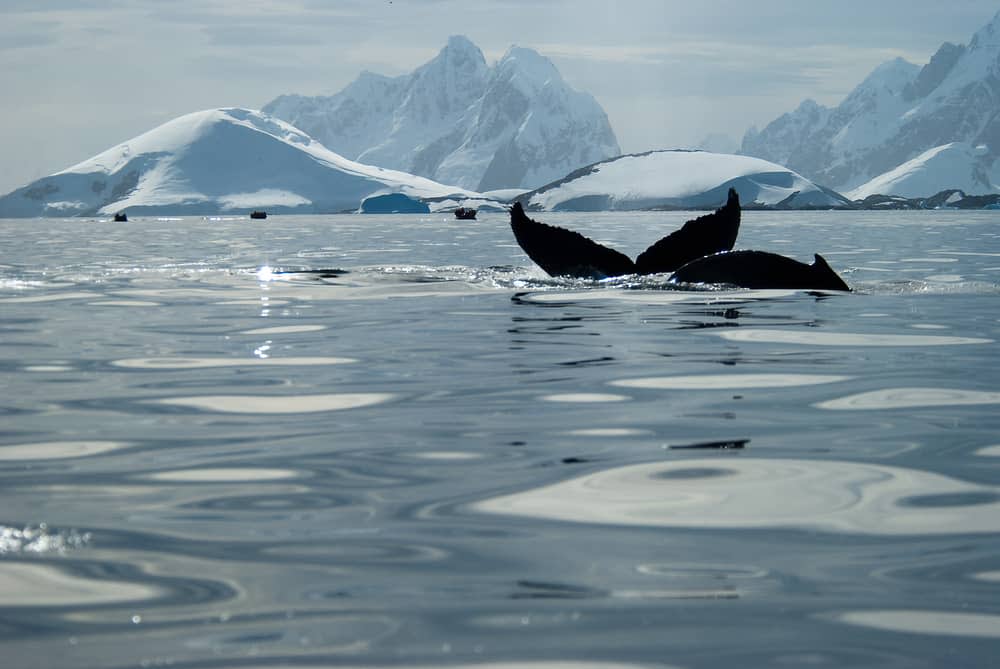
{"points": [[700, 252], [760, 269], [562, 252]]}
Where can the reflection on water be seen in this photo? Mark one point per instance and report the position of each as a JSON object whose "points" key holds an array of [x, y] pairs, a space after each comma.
{"points": [[822, 495], [811, 338], [727, 381], [285, 329], [230, 475], [902, 398], [350, 441], [585, 398], [57, 450], [198, 363], [927, 622], [25, 584], [277, 404]]}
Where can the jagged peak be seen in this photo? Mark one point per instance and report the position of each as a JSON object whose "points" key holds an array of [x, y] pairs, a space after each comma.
{"points": [[527, 60], [987, 36], [528, 70], [809, 105], [935, 71], [893, 75], [461, 43], [459, 51]]}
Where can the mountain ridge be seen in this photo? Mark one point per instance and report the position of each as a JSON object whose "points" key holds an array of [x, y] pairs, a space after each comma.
{"points": [[899, 112], [516, 124]]}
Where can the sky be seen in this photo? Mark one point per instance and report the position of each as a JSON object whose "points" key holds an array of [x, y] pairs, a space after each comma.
{"points": [[79, 76]]}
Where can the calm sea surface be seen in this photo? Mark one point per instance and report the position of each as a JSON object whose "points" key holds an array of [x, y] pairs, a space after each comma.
{"points": [[212, 455]]}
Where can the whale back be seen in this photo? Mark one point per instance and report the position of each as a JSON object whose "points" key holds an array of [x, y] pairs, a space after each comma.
{"points": [[705, 235], [824, 274], [562, 252], [760, 270]]}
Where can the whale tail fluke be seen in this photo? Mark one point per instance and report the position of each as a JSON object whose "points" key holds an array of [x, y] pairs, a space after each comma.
{"points": [[700, 252], [562, 252], [700, 237]]}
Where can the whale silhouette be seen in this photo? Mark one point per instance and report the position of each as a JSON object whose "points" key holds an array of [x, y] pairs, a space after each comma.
{"points": [[699, 252], [760, 269], [562, 252]]}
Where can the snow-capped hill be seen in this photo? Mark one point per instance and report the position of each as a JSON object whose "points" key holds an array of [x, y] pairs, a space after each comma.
{"points": [[679, 179], [897, 114], [457, 120], [956, 163], [215, 161]]}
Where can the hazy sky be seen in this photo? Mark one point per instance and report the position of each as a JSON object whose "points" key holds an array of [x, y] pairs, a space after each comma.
{"points": [[78, 76]]}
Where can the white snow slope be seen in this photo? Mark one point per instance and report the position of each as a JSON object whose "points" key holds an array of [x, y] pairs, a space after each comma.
{"points": [[956, 164], [679, 179], [216, 161]]}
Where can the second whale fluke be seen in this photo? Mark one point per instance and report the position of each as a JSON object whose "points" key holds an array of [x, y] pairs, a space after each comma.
{"points": [[702, 236], [760, 269]]}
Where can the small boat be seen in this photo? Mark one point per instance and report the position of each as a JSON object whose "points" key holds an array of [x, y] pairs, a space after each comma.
{"points": [[257, 213], [121, 217], [465, 213]]}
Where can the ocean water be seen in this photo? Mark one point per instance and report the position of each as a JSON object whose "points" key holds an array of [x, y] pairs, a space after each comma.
{"points": [[379, 441]]}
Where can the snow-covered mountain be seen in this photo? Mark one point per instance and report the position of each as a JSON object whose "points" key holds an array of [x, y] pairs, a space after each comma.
{"points": [[458, 120], [216, 161], [680, 179], [897, 114]]}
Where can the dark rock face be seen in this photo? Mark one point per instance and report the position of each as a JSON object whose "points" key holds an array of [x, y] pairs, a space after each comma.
{"points": [[934, 72]]}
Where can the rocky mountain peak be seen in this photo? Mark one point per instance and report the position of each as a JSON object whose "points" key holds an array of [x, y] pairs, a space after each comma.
{"points": [[459, 120]]}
